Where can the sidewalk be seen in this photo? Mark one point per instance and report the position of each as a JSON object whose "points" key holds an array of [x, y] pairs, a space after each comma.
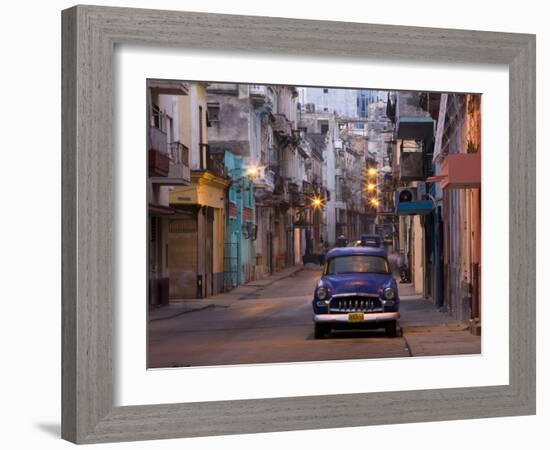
{"points": [[177, 307], [429, 331]]}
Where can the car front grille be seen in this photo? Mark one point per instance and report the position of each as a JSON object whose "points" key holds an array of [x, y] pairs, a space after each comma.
{"points": [[355, 304]]}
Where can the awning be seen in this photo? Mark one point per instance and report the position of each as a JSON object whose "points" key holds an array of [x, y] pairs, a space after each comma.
{"points": [[160, 210], [412, 127], [421, 207], [168, 87], [460, 171]]}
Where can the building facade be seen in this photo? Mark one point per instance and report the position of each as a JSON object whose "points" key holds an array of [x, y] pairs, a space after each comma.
{"points": [[168, 167], [197, 231], [437, 151]]}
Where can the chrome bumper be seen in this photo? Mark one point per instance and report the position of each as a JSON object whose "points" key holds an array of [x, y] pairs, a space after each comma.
{"points": [[367, 317]]}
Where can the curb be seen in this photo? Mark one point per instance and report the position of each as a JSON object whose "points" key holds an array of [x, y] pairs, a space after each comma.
{"points": [[200, 308]]}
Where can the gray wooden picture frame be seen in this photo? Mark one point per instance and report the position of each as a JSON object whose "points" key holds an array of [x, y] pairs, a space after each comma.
{"points": [[90, 34]]}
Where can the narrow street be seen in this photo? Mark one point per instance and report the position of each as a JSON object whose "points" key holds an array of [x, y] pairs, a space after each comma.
{"points": [[246, 180], [270, 321]]}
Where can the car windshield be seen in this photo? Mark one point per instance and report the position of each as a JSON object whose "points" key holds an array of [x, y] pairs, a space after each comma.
{"points": [[357, 264]]}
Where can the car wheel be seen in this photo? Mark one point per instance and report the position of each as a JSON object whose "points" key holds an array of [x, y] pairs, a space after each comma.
{"points": [[391, 329], [320, 331]]}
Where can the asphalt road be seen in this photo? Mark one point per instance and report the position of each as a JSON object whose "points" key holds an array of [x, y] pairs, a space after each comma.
{"points": [[266, 325]]}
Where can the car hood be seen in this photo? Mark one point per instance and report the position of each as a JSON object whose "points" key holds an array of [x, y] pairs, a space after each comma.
{"points": [[365, 283]]}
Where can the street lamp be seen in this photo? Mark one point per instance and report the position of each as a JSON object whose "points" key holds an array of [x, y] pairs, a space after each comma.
{"points": [[372, 172], [252, 171], [316, 202]]}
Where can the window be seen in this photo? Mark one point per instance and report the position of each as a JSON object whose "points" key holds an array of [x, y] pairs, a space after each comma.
{"points": [[157, 119], [153, 229], [213, 112], [200, 126], [169, 128], [325, 91], [324, 128], [233, 194], [248, 194], [357, 264]]}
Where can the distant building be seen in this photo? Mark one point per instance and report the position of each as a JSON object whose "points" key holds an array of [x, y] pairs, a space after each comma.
{"points": [[342, 102], [365, 97], [321, 131]]}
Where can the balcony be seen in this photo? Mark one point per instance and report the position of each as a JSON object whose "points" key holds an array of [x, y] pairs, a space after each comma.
{"points": [[307, 188], [159, 163], [168, 162], [168, 87], [158, 140], [339, 172], [159, 160], [461, 171], [223, 88], [281, 125], [261, 95], [179, 162], [212, 162], [265, 181]]}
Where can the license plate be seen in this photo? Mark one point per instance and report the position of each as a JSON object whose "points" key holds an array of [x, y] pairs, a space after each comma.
{"points": [[356, 317]]}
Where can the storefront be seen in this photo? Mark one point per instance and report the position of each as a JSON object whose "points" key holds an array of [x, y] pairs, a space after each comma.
{"points": [[196, 237]]}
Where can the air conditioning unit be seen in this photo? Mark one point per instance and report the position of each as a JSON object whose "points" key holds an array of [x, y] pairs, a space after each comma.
{"points": [[412, 201], [405, 195]]}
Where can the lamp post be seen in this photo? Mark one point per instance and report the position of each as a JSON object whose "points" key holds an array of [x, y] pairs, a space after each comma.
{"points": [[250, 172]]}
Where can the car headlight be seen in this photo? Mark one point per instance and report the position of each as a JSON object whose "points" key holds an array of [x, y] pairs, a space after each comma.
{"points": [[321, 293], [389, 294]]}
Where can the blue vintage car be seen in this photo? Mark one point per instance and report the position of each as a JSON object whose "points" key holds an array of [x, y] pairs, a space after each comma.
{"points": [[356, 290]]}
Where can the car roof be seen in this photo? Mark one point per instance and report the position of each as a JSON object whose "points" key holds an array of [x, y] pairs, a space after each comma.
{"points": [[370, 236], [343, 251]]}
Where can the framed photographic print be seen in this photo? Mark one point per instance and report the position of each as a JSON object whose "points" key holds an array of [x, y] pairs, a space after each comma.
{"points": [[268, 230]]}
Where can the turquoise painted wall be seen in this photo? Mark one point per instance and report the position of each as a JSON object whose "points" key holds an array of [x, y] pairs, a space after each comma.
{"points": [[241, 193]]}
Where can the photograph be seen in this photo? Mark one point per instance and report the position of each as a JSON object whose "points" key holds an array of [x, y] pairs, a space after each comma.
{"points": [[261, 225], [292, 224]]}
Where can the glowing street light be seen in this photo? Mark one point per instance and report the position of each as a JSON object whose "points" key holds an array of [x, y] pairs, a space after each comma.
{"points": [[374, 202], [316, 202], [371, 187], [372, 172], [252, 171]]}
